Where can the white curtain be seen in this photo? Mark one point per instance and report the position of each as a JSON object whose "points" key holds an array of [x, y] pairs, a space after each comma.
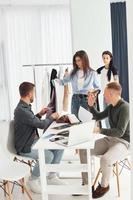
{"points": [[34, 35], [4, 101]]}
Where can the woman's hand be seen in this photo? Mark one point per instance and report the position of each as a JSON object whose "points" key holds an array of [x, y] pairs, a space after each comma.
{"points": [[91, 99]]}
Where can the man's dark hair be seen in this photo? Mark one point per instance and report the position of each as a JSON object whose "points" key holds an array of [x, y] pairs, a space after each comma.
{"points": [[25, 88]]}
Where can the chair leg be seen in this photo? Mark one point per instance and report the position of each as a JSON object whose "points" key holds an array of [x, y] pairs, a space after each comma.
{"points": [[97, 176], [117, 179], [25, 189], [114, 170], [30, 165], [129, 164], [22, 185], [27, 163], [9, 191], [4, 184]]}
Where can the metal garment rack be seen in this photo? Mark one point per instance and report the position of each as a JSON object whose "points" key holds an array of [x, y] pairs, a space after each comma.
{"points": [[33, 66]]}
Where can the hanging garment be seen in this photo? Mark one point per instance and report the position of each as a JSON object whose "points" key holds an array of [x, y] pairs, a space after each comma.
{"points": [[52, 103], [59, 96], [66, 98], [45, 88], [53, 76]]}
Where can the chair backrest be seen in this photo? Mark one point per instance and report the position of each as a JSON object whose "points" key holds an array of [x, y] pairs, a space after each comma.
{"points": [[7, 138], [11, 140]]}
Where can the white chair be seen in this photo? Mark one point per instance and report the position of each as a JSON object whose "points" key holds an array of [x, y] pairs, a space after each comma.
{"points": [[11, 172], [7, 146], [117, 170], [7, 143]]}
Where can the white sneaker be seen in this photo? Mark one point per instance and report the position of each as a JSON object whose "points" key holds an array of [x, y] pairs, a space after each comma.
{"points": [[35, 186], [55, 181]]}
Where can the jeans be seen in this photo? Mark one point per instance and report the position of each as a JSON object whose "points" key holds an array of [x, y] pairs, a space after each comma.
{"points": [[78, 101], [51, 157]]}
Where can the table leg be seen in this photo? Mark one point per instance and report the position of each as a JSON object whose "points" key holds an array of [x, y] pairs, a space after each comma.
{"points": [[89, 175], [43, 174]]}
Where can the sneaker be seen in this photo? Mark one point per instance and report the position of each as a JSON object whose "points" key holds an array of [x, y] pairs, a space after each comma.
{"points": [[100, 191], [35, 186], [55, 181]]}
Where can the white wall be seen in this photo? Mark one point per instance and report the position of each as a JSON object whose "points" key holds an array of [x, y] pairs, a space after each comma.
{"points": [[91, 28], [130, 61]]}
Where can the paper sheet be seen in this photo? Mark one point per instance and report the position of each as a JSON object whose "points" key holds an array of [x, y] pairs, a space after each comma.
{"points": [[84, 115]]}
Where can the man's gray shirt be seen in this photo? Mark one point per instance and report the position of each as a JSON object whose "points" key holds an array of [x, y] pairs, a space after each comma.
{"points": [[26, 124]]}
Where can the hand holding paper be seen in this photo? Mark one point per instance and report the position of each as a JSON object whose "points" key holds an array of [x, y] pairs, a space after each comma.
{"points": [[84, 115]]}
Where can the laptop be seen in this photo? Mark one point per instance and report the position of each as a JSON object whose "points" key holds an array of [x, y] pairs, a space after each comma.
{"points": [[73, 120], [76, 134]]}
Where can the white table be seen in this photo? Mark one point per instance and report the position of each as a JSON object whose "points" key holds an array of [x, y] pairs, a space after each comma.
{"points": [[44, 144]]}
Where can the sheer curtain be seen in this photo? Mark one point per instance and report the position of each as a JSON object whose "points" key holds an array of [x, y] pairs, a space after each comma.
{"points": [[4, 101], [34, 35]]}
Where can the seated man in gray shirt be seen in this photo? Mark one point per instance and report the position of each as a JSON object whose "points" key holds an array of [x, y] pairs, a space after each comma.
{"points": [[26, 134], [115, 146]]}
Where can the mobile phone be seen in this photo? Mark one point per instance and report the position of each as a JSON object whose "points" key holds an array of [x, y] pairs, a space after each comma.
{"points": [[64, 133], [55, 139], [62, 126]]}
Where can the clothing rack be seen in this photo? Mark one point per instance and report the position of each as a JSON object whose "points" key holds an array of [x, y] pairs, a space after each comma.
{"points": [[56, 64], [43, 65]]}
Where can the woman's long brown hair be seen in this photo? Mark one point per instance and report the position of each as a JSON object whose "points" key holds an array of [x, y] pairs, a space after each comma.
{"points": [[85, 60]]}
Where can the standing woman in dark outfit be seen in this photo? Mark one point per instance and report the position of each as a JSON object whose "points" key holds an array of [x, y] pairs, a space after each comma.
{"points": [[108, 73], [83, 79]]}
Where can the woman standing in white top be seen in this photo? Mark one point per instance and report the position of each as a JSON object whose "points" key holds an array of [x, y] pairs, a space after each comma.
{"points": [[83, 78], [108, 73]]}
